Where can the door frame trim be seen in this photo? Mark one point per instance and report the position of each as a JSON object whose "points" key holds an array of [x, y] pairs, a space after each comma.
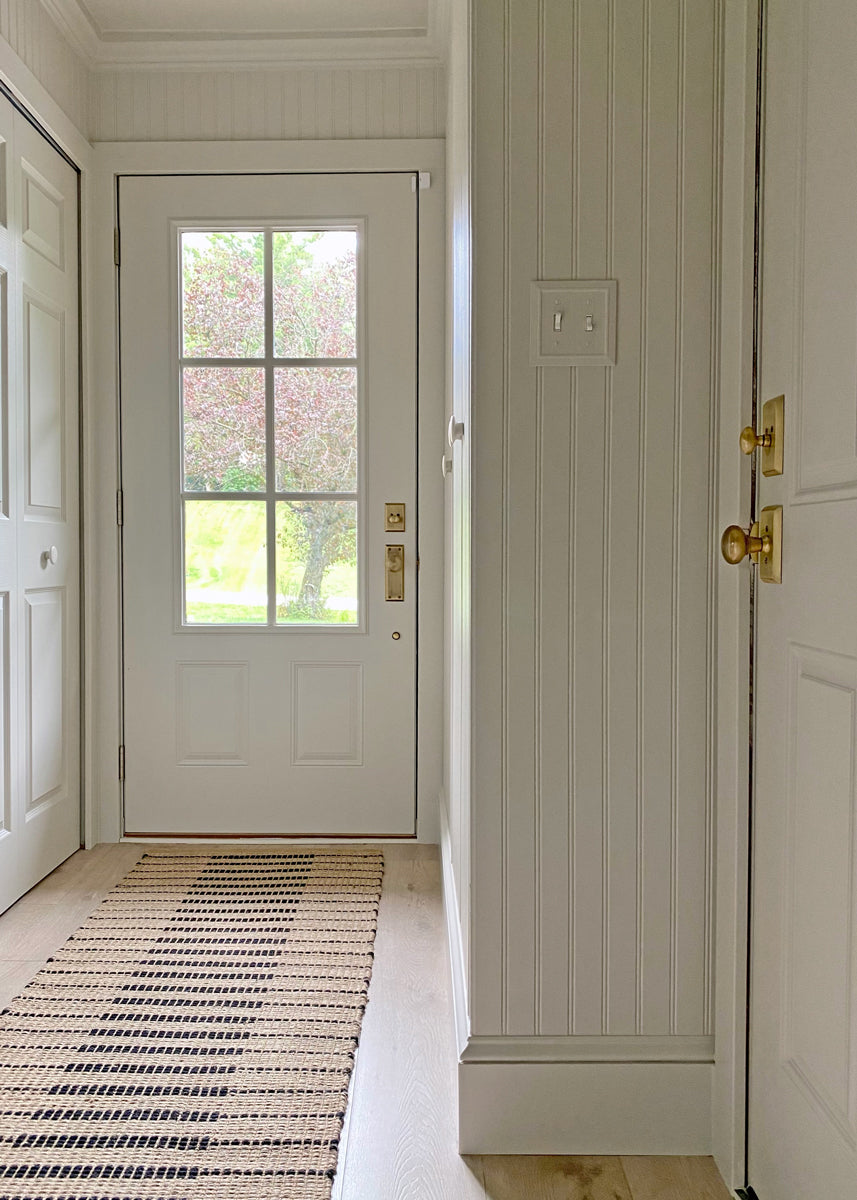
{"points": [[732, 699], [112, 159]]}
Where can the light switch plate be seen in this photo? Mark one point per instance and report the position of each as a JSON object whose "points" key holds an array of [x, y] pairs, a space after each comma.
{"points": [[573, 323]]}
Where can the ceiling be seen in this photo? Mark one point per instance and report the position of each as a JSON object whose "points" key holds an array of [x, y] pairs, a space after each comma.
{"points": [[237, 33]]}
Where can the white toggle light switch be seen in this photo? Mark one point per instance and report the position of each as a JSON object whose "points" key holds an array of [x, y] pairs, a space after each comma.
{"points": [[573, 322]]}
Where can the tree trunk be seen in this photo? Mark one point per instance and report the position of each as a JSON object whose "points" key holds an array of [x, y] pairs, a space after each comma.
{"points": [[310, 600]]}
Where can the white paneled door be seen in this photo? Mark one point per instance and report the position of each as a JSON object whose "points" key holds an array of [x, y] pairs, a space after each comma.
{"points": [[39, 516], [803, 1037], [268, 348]]}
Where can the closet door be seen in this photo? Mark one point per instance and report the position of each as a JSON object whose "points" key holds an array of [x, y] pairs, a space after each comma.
{"points": [[39, 510]]}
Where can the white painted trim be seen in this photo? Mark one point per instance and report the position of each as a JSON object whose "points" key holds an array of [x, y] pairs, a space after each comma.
{"points": [[233, 158], [37, 100], [733, 504], [405, 49], [455, 944], [112, 159], [584, 1108], [578, 1048]]}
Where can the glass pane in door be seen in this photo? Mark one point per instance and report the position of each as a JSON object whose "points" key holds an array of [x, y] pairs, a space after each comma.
{"points": [[315, 424], [223, 294], [315, 293], [317, 562], [225, 567]]}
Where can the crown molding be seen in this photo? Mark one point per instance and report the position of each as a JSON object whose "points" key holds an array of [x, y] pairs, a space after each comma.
{"points": [[75, 28], [413, 49]]}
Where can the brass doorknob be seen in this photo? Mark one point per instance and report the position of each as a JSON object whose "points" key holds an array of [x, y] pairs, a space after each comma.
{"points": [[737, 543], [749, 439]]}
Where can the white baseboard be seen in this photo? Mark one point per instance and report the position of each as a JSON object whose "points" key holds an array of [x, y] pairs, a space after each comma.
{"points": [[585, 1108], [453, 933], [608, 1048]]}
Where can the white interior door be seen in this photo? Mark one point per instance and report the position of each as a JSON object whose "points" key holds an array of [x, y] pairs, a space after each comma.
{"points": [[803, 1038], [39, 516], [268, 377]]}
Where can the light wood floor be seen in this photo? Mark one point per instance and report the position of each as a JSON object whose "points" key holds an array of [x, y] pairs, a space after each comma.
{"points": [[399, 1141]]}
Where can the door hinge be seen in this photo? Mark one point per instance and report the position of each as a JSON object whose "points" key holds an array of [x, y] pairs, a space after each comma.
{"points": [[120, 507], [421, 180], [116, 247], [121, 764]]}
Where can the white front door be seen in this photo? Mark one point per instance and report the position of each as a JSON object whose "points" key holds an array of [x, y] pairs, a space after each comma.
{"points": [[268, 381], [39, 514], [803, 1033]]}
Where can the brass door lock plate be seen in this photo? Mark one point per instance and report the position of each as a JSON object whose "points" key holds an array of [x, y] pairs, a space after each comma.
{"points": [[773, 426], [763, 542], [394, 572], [394, 518], [770, 440], [770, 556]]}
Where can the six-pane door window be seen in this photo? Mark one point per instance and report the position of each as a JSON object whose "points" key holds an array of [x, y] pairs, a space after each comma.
{"points": [[270, 431]]}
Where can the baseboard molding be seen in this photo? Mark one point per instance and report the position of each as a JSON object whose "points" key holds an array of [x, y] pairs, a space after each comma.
{"points": [[453, 933], [615, 1049], [584, 1108]]}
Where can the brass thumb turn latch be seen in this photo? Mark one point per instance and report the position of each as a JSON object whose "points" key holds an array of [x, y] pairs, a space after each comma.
{"points": [[770, 440], [763, 541]]}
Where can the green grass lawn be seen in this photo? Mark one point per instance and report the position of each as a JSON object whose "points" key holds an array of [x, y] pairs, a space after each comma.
{"points": [[226, 569]]}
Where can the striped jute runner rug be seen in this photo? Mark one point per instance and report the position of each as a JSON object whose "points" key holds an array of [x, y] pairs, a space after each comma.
{"points": [[195, 1037]]}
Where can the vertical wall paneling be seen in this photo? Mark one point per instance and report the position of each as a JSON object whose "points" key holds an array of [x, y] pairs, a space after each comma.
{"points": [[521, 532], [37, 41], [317, 103], [596, 155], [554, 494]]}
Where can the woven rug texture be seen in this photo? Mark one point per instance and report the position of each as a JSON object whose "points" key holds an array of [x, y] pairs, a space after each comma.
{"points": [[196, 1036]]}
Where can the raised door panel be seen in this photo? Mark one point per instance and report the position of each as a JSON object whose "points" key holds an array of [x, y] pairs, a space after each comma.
{"points": [[42, 216], [825, 271], [819, 1036], [6, 819], [45, 651], [44, 398]]}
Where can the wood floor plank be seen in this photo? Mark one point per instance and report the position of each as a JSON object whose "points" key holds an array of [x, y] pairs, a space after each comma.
{"points": [[15, 974], [675, 1178], [402, 1128], [554, 1177]]}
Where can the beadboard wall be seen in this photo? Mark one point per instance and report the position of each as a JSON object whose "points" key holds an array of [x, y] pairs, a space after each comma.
{"points": [[596, 135], [292, 104], [38, 43]]}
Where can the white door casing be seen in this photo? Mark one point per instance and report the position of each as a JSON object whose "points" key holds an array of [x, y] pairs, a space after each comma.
{"points": [[803, 1032], [292, 731], [39, 521]]}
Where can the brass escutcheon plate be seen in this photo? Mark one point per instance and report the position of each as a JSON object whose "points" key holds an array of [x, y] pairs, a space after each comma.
{"points": [[394, 573], [394, 518], [773, 422], [771, 526]]}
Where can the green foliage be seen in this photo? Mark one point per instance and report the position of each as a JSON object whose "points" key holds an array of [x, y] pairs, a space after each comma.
{"points": [[315, 409]]}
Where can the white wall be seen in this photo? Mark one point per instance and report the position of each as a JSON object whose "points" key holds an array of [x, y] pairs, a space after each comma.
{"points": [[596, 154], [292, 104]]}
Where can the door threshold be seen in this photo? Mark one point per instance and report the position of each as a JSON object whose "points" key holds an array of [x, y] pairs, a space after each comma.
{"points": [[261, 839]]}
